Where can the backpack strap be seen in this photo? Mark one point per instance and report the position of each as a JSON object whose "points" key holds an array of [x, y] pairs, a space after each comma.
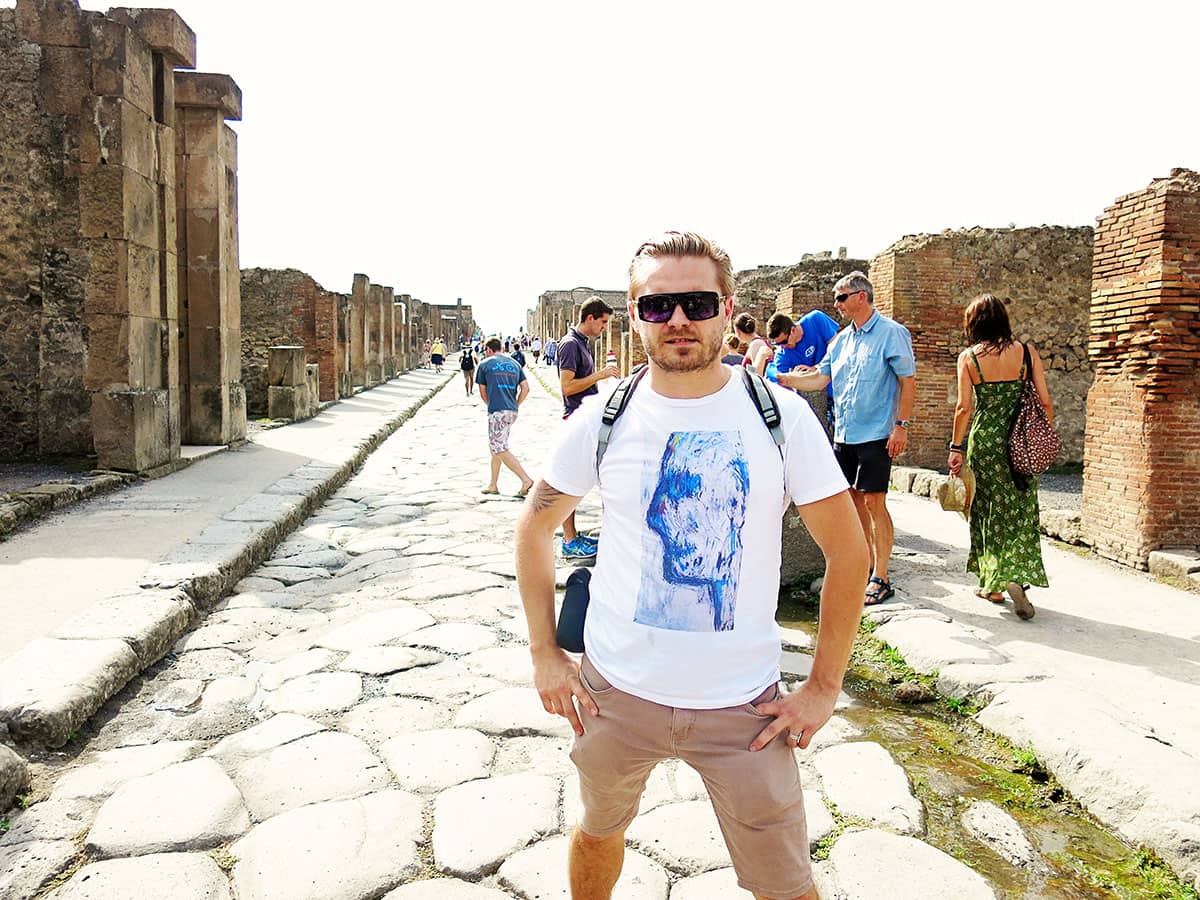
{"points": [[765, 403], [617, 401]]}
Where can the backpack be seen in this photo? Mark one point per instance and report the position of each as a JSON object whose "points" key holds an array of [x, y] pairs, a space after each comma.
{"points": [[756, 387], [468, 361]]}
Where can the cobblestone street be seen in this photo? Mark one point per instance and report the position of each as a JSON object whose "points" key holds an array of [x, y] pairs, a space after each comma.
{"points": [[357, 721]]}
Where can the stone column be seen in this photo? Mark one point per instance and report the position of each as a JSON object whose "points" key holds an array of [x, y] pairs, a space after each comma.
{"points": [[329, 351], [210, 278], [626, 352], [1141, 466], [389, 333], [374, 334], [403, 338], [358, 331]]}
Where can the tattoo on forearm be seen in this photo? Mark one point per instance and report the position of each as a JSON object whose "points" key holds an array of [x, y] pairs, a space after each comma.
{"points": [[544, 497]]}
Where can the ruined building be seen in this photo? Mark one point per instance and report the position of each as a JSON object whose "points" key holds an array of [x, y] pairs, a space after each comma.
{"points": [[119, 286]]}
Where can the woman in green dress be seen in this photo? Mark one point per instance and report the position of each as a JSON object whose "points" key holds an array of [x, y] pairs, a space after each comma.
{"points": [[1006, 551]]}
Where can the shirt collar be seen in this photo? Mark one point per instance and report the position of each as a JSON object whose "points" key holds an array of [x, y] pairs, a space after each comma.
{"points": [[869, 324]]}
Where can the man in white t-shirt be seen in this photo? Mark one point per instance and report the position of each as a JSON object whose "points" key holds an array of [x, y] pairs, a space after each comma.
{"points": [[682, 648]]}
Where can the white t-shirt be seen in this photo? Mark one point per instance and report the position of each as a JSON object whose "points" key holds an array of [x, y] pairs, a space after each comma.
{"points": [[686, 585]]}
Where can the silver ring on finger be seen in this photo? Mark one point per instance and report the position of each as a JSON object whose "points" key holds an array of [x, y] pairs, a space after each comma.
{"points": [[793, 737]]}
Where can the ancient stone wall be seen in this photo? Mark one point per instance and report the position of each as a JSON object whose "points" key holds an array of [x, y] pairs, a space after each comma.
{"points": [[795, 289], [282, 307], [1141, 462], [1044, 277], [91, 357]]}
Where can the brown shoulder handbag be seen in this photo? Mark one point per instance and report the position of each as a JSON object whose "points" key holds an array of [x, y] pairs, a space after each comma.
{"points": [[1033, 444]]}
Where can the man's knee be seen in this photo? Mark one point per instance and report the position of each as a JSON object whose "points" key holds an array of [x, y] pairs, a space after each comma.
{"points": [[874, 501], [591, 841]]}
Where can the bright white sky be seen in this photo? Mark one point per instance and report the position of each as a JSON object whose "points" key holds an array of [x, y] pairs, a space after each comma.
{"points": [[492, 151]]}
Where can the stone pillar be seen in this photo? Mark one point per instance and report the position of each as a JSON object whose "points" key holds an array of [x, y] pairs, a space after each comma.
{"points": [[1141, 465], [626, 353], [389, 333], [345, 381], [358, 331], [403, 338], [374, 334], [209, 276], [329, 350]]}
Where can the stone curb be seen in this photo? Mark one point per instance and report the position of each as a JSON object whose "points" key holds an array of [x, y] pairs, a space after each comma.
{"points": [[50, 687], [20, 508], [1130, 780], [1065, 525]]}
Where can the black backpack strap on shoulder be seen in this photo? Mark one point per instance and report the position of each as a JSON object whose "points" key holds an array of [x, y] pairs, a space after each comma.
{"points": [[764, 402], [617, 401]]}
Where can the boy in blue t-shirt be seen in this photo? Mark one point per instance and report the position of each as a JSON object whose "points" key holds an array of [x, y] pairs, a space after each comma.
{"points": [[800, 343]]}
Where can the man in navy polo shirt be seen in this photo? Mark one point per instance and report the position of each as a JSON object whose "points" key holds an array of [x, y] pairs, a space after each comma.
{"points": [[578, 377], [872, 371]]}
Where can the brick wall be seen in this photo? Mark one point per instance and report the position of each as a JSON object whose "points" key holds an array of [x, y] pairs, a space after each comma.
{"points": [[282, 307], [1142, 458], [1044, 277]]}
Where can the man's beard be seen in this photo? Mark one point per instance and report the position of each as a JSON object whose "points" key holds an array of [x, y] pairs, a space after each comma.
{"points": [[700, 358]]}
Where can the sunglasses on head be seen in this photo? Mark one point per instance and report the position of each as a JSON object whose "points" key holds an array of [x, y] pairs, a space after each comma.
{"points": [[697, 306]]}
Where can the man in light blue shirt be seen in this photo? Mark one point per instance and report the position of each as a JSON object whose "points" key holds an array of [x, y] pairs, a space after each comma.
{"points": [[872, 370]]}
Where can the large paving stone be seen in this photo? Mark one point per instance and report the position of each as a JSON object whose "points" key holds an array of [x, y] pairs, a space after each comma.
{"points": [[149, 621], [14, 777], [444, 581], [540, 873], [999, 831], [208, 664], [25, 867], [220, 634], [874, 864], [272, 675], [447, 682], [718, 884], [929, 644], [511, 712], [325, 558], [375, 628], [104, 772], [453, 637], [314, 695], [445, 889], [188, 806], [511, 664], [544, 755], [433, 760], [49, 687], [258, 739], [862, 780], [180, 876], [50, 820], [817, 817], [290, 575], [382, 718], [343, 850], [479, 824], [387, 660], [324, 766], [683, 835]]}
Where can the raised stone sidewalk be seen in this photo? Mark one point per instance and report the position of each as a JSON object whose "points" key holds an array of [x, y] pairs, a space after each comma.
{"points": [[101, 591]]}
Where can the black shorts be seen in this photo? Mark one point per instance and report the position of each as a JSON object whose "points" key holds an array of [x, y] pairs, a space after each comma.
{"points": [[867, 466]]}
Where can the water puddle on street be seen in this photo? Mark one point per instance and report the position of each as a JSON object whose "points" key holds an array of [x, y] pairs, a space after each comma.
{"points": [[951, 762]]}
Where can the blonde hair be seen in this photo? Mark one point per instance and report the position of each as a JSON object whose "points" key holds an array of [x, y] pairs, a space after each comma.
{"points": [[678, 244]]}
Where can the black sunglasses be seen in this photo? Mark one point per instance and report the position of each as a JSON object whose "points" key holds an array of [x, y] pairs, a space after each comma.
{"points": [[697, 306], [842, 298]]}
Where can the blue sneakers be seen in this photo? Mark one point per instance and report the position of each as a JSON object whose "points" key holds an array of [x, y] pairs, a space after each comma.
{"points": [[588, 539], [578, 549]]}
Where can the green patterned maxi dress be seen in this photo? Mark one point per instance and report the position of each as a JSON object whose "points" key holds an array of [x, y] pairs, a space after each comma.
{"points": [[1005, 537]]}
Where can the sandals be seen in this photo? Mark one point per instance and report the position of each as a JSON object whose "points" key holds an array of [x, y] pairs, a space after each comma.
{"points": [[486, 491], [884, 592], [1021, 605], [525, 490], [995, 597]]}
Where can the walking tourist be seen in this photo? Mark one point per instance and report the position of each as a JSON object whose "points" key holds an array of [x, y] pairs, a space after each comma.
{"points": [[502, 386], [733, 347], [1006, 543], [551, 351], [872, 370], [536, 349], [437, 354], [682, 648], [467, 364], [518, 356], [577, 378], [758, 348]]}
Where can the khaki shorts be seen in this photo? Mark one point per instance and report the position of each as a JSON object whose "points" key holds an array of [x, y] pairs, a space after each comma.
{"points": [[756, 796]]}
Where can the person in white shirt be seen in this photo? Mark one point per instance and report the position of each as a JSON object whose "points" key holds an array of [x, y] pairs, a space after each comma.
{"points": [[682, 649]]}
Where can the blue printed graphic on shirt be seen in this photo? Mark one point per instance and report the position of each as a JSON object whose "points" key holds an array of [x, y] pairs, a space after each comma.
{"points": [[501, 376], [695, 499]]}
